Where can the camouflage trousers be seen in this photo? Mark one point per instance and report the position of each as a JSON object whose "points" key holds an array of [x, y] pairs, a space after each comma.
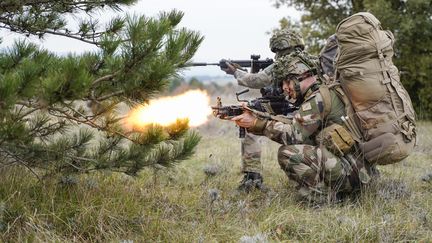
{"points": [[320, 174], [251, 153]]}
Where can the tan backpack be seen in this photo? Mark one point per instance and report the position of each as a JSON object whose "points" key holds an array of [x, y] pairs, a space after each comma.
{"points": [[382, 115]]}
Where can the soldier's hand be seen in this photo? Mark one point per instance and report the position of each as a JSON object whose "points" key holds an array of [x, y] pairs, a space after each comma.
{"points": [[246, 120], [230, 69]]}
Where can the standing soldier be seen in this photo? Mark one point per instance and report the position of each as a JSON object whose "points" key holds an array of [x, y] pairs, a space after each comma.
{"points": [[282, 43], [317, 150]]}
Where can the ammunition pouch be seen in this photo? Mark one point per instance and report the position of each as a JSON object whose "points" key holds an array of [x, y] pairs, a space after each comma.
{"points": [[336, 139]]}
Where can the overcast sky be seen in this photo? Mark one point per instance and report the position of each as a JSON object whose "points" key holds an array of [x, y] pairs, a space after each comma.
{"points": [[233, 29]]}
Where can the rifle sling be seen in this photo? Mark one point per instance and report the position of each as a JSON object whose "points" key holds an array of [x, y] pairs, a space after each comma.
{"points": [[280, 118]]}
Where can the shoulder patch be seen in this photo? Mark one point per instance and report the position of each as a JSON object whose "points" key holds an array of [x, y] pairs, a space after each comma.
{"points": [[306, 107]]}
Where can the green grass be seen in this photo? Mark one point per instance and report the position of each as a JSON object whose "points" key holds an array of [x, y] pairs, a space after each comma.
{"points": [[175, 205]]}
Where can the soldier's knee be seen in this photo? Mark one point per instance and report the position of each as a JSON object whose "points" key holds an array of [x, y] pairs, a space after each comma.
{"points": [[282, 156], [285, 154]]}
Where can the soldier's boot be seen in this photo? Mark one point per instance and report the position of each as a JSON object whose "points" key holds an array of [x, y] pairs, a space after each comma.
{"points": [[373, 172], [251, 181]]}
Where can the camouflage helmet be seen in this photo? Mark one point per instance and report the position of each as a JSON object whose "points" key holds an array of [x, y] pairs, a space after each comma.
{"points": [[284, 39], [294, 65]]}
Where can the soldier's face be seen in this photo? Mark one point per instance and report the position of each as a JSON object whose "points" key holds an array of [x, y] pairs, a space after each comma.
{"points": [[288, 88]]}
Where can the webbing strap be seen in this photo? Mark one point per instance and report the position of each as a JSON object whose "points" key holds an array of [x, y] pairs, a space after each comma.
{"points": [[284, 119], [380, 45], [348, 74], [349, 110], [280, 118], [325, 93], [376, 25], [393, 98]]}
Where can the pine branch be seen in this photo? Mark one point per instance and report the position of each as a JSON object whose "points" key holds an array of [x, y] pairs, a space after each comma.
{"points": [[109, 96], [85, 121], [16, 159], [41, 93], [104, 78]]}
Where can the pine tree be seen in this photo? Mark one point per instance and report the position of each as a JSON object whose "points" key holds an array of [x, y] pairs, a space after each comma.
{"points": [[409, 20], [58, 114]]}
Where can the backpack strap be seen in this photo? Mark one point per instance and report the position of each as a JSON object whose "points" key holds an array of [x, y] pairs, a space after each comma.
{"points": [[349, 120], [325, 94]]}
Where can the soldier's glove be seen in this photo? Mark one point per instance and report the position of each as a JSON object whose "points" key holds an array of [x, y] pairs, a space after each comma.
{"points": [[230, 68]]}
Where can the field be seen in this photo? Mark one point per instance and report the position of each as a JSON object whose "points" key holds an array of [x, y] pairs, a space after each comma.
{"points": [[197, 201]]}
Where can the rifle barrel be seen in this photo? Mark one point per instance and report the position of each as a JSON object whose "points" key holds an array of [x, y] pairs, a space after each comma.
{"points": [[195, 64]]}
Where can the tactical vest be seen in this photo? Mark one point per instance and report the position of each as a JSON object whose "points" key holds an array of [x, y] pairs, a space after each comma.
{"points": [[380, 115]]}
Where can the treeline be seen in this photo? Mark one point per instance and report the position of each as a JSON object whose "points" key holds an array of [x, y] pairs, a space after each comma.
{"points": [[180, 84]]}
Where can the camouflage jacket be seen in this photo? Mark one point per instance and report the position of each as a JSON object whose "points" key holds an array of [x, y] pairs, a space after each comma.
{"points": [[307, 122], [255, 80]]}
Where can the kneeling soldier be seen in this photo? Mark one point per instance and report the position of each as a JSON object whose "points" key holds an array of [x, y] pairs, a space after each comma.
{"points": [[283, 42], [317, 150]]}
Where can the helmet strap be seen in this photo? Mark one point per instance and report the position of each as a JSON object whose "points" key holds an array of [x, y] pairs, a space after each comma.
{"points": [[297, 88], [299, 95]]}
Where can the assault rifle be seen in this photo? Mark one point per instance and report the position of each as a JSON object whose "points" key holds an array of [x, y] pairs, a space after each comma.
{"points": [[265, 107], [254, 63]]}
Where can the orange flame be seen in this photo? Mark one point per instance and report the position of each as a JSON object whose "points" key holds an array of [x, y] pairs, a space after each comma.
{"points": [[193, 105]]}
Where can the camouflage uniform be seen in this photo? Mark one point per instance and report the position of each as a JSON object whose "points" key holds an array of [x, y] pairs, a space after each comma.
{"points": [[251, 144], [283, 42], [320, 173], [251, 153], [254, 80]]}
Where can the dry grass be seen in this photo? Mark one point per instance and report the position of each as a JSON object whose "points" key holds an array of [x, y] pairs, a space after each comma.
{"points": [[197, 202]]}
